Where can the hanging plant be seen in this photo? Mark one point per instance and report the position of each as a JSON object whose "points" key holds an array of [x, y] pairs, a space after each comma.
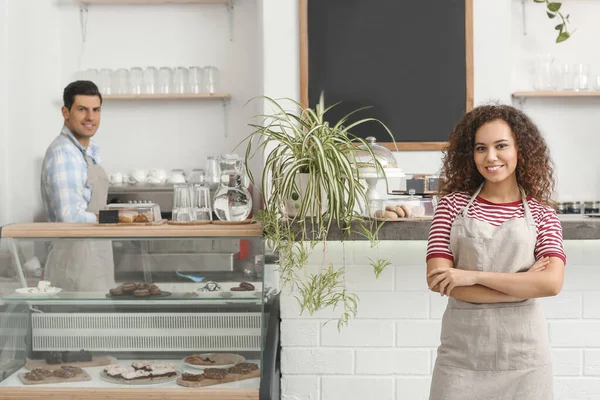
{"points": [[553, 11]]}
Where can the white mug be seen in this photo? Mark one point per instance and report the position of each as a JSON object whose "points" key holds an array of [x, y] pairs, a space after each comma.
{"points": [[115, 178], [158, 174], [176, 177], [138, 176]]}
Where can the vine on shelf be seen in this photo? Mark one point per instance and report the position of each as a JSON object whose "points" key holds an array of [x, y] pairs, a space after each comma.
{"points": [[553, 11]]}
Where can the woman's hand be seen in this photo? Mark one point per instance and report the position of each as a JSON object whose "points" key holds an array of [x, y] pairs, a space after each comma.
{"points": [[449, 278], [539, 265]]}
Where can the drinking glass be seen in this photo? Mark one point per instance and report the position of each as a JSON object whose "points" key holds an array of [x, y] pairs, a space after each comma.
{"points": [[213, 172], [165, 80], [180, 80], [196, 80], [105, 81], [135, 80], [150, 80], [545, 77], [183, 210], [120, 81], [198, 176], [582, 77], [211, 79], [567, 76], [202, 207]]}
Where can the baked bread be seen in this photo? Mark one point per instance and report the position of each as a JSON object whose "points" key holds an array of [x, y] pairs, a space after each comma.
{"points": [[127, 216]]}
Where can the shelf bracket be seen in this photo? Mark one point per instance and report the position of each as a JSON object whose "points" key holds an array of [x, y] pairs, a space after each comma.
{"points": [[83, 17], [226, 102], [230, 18], [524, 7]]}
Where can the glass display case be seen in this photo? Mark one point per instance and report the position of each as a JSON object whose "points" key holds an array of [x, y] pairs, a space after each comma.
{"points": [[166, 311]]}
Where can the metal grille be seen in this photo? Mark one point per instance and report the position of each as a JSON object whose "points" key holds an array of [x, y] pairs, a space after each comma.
{"points": [[13, 332], [147, 332]]}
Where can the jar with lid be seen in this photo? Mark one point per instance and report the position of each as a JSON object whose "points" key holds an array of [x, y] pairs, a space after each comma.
{"points": [[560, 208], [588, 207], [576, 207], [232, 201]]}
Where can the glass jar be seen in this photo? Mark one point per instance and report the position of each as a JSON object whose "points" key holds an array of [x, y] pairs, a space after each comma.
{"points": [[232, 202]]}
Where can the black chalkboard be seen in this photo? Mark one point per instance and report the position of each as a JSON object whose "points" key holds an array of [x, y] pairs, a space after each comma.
{"points": [[406, 59]]}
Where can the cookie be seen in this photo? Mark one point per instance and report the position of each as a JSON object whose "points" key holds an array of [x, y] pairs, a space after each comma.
{"points": [[154, 291], [128, 287], [214, 373], [141, 293], [117, 291], [386, 214], [247, 286], [238, 289]]}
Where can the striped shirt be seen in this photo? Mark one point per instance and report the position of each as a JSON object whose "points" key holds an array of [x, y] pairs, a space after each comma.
{"points": [[549, 241], [64, 179]]}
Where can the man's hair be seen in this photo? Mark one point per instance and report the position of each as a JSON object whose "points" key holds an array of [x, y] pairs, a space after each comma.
{"points": [[84, 88]]}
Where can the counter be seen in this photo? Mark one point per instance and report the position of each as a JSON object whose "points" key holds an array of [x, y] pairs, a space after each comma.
{"points": [[575, 227]]}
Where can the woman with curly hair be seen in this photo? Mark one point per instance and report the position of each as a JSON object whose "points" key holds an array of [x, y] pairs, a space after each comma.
{"points": [[495, 245]]}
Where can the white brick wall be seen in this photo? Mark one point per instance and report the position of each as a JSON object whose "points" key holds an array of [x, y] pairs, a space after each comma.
{"points": [[388, 350]]}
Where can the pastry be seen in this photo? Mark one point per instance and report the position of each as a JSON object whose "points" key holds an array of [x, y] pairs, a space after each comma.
{"points": [[242, 368], [192, 377], [215, 373], [247, 285], [128, 287], [400, 211], [127, 216], [385, 214], [418, 211], [197, 360], [407, 211], [141, 293], [116, 291], [154, 291], [142, 217], [238, 289]]}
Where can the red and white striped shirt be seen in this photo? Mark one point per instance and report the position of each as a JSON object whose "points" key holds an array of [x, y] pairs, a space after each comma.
{"points": [[549, 230]]}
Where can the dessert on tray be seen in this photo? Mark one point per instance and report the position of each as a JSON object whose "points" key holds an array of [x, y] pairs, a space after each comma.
{"points": [[141, 371]]}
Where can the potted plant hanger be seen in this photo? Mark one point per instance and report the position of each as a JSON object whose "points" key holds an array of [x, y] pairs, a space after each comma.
{"points": [[311, 185]]}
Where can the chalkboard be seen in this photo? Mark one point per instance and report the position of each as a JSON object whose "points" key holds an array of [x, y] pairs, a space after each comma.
{"points": [[411, 61]]}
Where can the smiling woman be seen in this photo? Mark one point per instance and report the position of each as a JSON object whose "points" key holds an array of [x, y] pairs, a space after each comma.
{"points": [[494, 247]]}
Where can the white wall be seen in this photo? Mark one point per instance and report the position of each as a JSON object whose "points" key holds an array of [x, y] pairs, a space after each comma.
{"points": [[4, 187], [44, 51], [388, 351]]}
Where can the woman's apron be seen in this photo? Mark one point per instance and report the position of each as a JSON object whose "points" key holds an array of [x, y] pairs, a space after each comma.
{"points": [[84, 265], [497, 351]]}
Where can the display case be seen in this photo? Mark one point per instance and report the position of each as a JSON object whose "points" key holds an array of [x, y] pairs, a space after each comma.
{"points": [[123, 312]]}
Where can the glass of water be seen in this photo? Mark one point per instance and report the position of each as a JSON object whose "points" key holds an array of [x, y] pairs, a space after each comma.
{"points": [[183, 210], [202, 202]]}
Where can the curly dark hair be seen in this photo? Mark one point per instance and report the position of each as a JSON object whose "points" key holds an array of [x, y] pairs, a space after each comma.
{"points": [[535, 170]]}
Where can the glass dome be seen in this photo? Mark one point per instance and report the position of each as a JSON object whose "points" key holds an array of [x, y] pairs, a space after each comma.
{"points": [[382, 154]]}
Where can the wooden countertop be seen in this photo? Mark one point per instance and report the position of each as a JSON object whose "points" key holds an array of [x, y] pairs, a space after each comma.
{"points": [[92, 230]]}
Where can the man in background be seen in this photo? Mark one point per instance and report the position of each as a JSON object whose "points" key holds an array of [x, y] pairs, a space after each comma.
{"points": [[74, 188]]}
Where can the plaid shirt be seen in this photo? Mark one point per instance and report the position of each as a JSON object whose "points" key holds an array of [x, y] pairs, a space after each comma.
{"points": [[64, 179]]}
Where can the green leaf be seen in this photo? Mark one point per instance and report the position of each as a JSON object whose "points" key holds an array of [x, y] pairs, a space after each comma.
{"points": [[540, 1], [554, 7], [550, 15], [559, 27], [567, 17], [562, 37]]}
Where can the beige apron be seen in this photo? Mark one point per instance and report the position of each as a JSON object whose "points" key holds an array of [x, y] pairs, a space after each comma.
{"points": [[83, 265], [495, 351]]}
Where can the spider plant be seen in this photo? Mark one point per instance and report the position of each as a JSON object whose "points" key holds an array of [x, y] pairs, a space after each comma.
{"points": [[303, 142]]}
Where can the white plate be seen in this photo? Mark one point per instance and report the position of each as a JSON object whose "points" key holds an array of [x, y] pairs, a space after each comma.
{"points": [[49, 291], [242, 293], [213, 294], [230, 358]]}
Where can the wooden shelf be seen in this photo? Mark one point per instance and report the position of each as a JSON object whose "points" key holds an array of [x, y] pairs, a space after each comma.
{"points": [[187, 96], [588, 93], [92, 230], [152, 1]]}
